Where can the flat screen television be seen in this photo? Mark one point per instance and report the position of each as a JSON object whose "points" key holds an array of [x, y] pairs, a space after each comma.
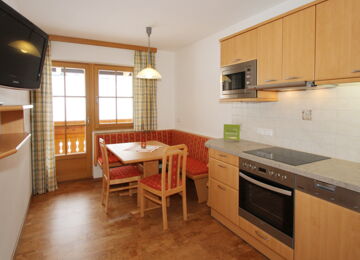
{"points": [[22, 50]]}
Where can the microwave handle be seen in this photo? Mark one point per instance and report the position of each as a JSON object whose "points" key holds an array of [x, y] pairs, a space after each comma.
{"points": [[265, 186]]}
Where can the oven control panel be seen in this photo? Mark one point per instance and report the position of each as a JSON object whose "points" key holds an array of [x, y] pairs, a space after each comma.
{"points": [[279, 176]]}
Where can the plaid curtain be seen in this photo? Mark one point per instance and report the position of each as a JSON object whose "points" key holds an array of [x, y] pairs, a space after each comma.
{"points": [[145, 110], [43, 152]]}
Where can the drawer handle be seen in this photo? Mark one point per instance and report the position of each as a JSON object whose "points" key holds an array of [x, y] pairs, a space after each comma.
{"points": [[355, 71], [261, 236], [292, 78], [221, 187], [222, 155], [221, 166], [270, 80]]}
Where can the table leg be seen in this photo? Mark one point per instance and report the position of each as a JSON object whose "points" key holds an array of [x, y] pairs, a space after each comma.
{"points": [[149, 168]]}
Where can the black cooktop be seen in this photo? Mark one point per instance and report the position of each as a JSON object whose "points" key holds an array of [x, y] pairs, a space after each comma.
{"points": [[287, 156]]}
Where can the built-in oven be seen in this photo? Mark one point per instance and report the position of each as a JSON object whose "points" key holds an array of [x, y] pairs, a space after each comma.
{"points": [[239, 80], [266, 199]]}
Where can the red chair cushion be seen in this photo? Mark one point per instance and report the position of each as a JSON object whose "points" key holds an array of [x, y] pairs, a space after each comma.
{"points": [[124, 172], [154, 181], [195, 167], [112, 159]]}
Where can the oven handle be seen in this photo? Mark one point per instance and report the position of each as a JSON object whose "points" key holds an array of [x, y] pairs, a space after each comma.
{"points": [[266, 186]]}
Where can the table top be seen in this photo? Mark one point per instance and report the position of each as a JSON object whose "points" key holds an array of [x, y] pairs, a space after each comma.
{"points": [[124, 152]]}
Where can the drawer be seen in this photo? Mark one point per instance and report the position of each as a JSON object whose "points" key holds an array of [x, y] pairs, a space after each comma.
{"points": [[266, 239], [224, 173], [224, 157]]}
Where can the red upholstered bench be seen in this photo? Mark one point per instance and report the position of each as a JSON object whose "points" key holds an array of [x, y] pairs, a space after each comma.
{"points": [[196, 166], [197, 160]]}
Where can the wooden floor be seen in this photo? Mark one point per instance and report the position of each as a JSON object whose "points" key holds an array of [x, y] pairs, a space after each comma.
{"points": [[70, 224]]}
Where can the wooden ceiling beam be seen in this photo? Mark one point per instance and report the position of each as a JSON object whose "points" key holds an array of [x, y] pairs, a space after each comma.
{"points": [[61, 38]]}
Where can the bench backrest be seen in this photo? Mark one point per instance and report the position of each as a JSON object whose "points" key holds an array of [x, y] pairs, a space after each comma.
{"points": [[195, 143]]}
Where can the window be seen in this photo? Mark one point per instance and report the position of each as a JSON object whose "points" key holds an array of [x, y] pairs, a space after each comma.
{"points": [[69, 109], [114, 96]]}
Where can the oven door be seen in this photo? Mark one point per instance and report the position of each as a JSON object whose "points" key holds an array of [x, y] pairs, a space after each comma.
{"points": [[268, 205]]}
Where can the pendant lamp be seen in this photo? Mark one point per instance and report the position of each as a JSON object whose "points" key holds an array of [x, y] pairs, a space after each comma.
{"points": [[148, 72]]}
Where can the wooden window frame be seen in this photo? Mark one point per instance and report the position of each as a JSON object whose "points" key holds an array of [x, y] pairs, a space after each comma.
{"points": [[88, 101], [95, 73]]}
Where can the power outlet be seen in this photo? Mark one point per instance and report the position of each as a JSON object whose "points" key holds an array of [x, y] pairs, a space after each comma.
{"points": [[307, 114], [264, 131]]}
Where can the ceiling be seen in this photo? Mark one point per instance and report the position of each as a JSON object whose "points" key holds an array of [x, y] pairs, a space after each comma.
{"points": [[175, 23]]}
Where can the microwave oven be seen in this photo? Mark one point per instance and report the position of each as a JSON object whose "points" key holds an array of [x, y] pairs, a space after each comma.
{"points": [[239, 80]]}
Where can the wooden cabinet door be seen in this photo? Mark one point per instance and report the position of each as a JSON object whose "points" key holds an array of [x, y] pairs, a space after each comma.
{"points": [[337, 39], [325, 231], [245, 46], [355, 38], [269, 53], [224, 200], [227, 52], [299, 46]]}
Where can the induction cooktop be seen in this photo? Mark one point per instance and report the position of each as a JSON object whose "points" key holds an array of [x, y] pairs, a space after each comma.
{"points": [[287, 156]]}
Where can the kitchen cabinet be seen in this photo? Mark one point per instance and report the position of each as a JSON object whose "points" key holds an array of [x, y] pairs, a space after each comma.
{"points": [[299, 46], [324, 230], [238, 49], [224, 184], [227, 51], [337, 39], [224, 200], [269, 53]]}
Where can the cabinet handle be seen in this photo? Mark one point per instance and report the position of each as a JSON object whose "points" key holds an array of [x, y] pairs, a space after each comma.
{"points": [[222, 155], [221, 187], [270, 80], [355, 71], [221, 166], [236, 60], [261, 236], [292, 78]]}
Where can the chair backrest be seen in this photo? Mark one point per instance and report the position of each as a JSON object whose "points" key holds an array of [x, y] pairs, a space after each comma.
{"points": [[104, 155], [173, 174]]}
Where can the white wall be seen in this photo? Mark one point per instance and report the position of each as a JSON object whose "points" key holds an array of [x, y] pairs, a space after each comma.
{"points": [[165, 62], [15, 179], [334, 130]]}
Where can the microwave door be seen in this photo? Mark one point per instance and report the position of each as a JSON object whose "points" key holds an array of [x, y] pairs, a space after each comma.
{"points": [[233, 82]]}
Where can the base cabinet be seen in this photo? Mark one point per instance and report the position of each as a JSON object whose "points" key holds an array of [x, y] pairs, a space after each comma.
{"points": [[224, 203], [224, 200], [325, 231]]}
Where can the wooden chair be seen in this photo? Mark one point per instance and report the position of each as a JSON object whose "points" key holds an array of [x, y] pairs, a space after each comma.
{"points": [[172, 180], [113, 177]]}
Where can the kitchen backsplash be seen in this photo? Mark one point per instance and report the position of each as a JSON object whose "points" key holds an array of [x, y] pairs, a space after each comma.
{"points": [[334, 128]]}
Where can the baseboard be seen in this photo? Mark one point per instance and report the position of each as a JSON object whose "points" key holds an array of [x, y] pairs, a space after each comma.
{"points": [[22, 226]]}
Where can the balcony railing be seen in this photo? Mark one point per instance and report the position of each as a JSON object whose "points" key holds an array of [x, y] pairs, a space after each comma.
{"points": [[70, 138]]}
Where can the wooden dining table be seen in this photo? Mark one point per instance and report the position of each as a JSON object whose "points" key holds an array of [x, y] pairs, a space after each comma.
{"points": [[128, 153]]}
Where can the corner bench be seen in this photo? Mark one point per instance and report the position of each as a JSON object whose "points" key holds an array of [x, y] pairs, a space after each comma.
{"points": [[196, 168]]}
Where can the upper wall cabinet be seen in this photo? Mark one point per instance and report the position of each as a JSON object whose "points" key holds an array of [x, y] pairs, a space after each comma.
{"points": [[338, 39], [299, 46], [239, 48], [269, 53]]}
